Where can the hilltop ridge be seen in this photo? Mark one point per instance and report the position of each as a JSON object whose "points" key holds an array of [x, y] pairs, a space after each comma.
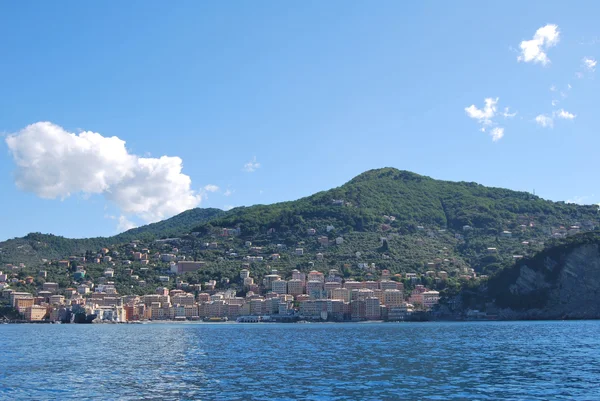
{"points": [[383, 219]]}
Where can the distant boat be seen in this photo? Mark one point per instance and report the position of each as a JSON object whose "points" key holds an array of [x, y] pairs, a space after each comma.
{"points": [[215, 319]]}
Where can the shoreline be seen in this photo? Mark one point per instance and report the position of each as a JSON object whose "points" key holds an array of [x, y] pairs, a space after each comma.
{"points": [[191, 322]]}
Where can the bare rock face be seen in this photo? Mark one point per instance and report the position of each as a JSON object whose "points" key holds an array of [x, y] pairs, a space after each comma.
{"points": [[569, 284], [528, 281], [577, 291]]}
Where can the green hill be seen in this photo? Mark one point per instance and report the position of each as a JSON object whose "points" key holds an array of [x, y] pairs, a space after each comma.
{"points": [[413, 200], [382, 219], [34, 247]]}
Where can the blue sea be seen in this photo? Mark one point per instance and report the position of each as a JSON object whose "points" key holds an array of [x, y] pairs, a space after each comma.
{"points": [[369, 361]]}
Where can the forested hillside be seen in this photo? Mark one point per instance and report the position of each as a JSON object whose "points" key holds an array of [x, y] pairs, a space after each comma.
{"points": [[383, 219]]}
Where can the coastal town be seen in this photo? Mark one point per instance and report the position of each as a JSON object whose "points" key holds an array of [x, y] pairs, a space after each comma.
{"points": [[274, 296], [171, 280], [311, 296]]}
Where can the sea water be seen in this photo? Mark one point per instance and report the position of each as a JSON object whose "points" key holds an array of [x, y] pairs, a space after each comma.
{"points": [[265, 361]]}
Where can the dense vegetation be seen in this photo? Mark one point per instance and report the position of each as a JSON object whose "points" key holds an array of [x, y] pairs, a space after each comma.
{"points": [[386, 218], [413, 200], [34, 247]]}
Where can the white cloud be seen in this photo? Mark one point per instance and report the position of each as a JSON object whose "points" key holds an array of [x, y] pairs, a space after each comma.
{"points": [[485, 115], [54, 163], [553, 88], [565, 115], [554, 102], [534, 50], [497, 133], [589, 63], [125, 224], [251, 166], [228, 192], [508, 114], [228, 207], [548, 121], [211, 188], [544, 121]]}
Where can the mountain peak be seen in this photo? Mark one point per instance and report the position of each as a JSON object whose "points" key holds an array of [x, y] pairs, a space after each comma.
{"points": [[388, 173]]}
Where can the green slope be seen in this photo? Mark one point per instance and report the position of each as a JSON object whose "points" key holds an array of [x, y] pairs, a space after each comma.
{"points": [[36, 246], [420, 218], [413, 200]]}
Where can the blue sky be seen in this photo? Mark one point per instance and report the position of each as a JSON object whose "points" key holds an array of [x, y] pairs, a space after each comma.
{"points": [[305, 95]]}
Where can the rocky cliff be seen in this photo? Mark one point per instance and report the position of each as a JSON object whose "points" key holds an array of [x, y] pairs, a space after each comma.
{"points": [[562, 282]]}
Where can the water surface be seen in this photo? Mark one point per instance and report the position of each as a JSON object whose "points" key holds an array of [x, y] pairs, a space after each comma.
{"points": [[425, 361]]}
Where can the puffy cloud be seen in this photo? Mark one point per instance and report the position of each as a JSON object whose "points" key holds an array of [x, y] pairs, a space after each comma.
{"points": [[54, 163], [211, 188], [484, 115], [228, 192], [544, 121], [251, 166], [497, 133], [565, 115], [534, 50], [589, 63]]}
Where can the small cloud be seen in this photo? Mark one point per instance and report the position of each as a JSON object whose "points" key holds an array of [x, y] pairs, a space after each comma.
{"points": [[553, 88], [548, 121], [228, 207], [125, 224], [534, 50], [554, 102], [508, 114], [589, 63], [260, 191], [211, 188], [544, 121], [228, 192], [569, 87], [251, 166], [497, 133], [579, 75], [591, 41], [485, 115], [565, 115]]}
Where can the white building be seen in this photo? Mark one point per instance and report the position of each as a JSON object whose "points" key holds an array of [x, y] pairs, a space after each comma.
{"points": [[279, 286]]}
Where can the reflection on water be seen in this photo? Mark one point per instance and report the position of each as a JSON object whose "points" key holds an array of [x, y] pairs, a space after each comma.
{"points": [[431, 361]]}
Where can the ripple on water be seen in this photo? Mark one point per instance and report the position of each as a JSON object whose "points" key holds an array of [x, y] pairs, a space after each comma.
{"points": [[432, 361]]}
